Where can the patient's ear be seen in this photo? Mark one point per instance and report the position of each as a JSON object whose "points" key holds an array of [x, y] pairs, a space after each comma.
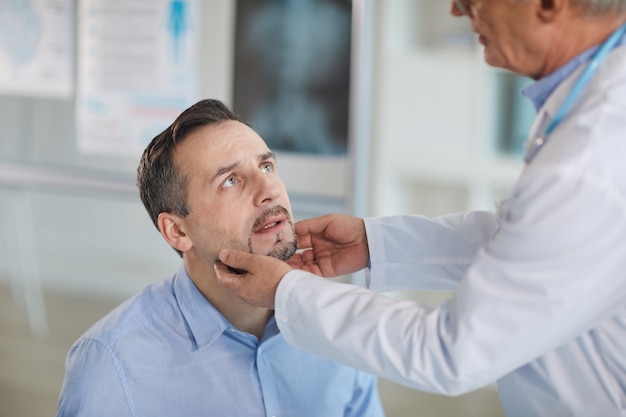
{"points": [[172, 229]]}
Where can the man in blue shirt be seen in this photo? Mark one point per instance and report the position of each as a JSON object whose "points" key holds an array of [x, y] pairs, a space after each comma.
{"points": [[188, 346]]}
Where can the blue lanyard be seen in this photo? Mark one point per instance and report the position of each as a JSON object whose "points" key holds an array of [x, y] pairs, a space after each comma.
{"points": [[581, 82]]}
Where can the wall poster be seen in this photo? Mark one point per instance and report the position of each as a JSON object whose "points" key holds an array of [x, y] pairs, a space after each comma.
{"points": [[37, 48], [137, 71]]}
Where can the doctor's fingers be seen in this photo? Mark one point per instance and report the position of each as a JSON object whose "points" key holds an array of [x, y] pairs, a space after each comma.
{"points": [[305, 229], [247, 287], [305, 261]]}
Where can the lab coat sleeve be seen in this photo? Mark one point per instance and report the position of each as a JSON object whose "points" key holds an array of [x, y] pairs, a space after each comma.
{"points": [[550, 274], [94, 384], [437, 251]]}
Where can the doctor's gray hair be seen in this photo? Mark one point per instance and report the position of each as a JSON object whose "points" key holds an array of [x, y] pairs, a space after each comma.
{"points": [[162, 186], [599, 7]]}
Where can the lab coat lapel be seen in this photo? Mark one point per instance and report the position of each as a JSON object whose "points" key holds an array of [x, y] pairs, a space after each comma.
{"points": [[536, 138]]}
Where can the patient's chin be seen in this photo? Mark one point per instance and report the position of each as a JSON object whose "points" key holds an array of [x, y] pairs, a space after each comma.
{"points": [[283, 250]]}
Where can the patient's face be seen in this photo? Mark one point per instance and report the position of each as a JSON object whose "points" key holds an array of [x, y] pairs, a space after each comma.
{"points": [[236, 198]]}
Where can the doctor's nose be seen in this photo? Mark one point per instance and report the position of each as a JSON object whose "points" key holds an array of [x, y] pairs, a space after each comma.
{"points": [[268, 189]]}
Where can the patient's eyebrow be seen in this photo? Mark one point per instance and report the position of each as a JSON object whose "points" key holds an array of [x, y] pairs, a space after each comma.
{"points": [[266, 156], [223, 170]]}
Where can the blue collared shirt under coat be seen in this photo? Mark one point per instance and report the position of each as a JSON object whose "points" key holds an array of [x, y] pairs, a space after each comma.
{"points": [[168, 352]]}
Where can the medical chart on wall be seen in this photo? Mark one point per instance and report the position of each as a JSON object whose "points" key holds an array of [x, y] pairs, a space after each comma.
{"points": [[37, 48], [137, 70]]}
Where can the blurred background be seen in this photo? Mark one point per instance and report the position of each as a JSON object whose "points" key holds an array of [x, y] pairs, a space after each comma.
{"points": [[374, 107]]}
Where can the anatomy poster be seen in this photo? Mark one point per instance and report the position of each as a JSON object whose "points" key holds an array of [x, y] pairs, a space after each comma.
{"points": [[137, 70], [37, 48]]}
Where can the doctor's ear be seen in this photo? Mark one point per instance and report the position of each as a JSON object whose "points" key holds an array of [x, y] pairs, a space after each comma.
{"points": [[172, 228], [548, 10]]}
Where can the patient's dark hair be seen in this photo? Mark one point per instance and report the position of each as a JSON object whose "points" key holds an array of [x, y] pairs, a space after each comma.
{"points": [[162, 187]]}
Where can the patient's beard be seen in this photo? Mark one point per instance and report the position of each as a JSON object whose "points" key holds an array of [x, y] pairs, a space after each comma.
{"points": [[285, 251]]}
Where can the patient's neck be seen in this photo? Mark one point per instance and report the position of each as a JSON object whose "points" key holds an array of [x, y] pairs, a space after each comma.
{"points": [[240, 314]]}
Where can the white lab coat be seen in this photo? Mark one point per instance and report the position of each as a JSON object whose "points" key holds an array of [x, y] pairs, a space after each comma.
{"points": [[540, 286]]}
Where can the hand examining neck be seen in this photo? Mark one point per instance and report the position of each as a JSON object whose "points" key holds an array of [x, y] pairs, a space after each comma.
{"points": [[241, 315], [258, 283]]}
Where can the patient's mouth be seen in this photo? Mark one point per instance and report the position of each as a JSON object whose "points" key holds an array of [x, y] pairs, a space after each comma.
{"points": [[272, 220]]}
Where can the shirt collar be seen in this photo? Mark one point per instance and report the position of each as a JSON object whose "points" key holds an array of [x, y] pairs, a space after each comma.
{"points": [[539, 91], [205, 322]]}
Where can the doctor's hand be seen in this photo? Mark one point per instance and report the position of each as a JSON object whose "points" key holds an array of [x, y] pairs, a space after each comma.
{"points": [[331, 245], [254, 277]]}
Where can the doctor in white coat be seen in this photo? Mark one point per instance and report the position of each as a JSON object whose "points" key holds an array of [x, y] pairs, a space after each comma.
{"points": [[539, 301]]}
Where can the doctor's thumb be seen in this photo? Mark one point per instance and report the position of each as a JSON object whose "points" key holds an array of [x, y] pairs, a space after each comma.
{"points": [[234, 260]]}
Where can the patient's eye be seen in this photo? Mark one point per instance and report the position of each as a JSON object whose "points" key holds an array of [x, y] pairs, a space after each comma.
{"points": [[267, 167], [230, 182]]}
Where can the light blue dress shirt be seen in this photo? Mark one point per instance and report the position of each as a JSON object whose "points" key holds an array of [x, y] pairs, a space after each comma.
{"points": [[169, 352]]}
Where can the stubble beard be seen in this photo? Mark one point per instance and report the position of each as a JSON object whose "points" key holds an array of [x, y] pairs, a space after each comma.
{"points": [[282, 249]]}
